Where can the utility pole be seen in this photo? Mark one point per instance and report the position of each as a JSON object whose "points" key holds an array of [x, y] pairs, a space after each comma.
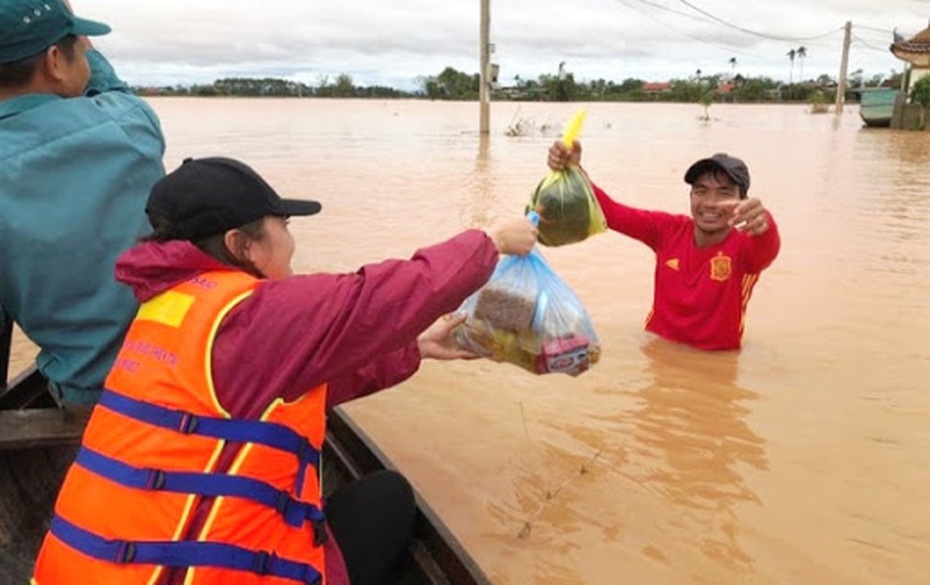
{"points": [[484, 58], [844, 64]]}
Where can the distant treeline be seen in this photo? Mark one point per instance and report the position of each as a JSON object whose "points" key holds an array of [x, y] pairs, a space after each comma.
{"points": [[456, 85]]}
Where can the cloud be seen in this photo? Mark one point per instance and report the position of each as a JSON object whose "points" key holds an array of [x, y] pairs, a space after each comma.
{"points": [[392, 43]]}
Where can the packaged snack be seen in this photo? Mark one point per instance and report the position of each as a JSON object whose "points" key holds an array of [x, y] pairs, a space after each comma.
{"points": [[527, 316]]}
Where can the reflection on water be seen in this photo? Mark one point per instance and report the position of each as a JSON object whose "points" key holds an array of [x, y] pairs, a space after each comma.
{"points": [[803, 459], [479, 186], [651, 476], [690, 441]]}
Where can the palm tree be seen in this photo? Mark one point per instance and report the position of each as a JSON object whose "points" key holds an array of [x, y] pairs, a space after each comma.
{"points": [[732, 64], [801, 53], [791, 55]]}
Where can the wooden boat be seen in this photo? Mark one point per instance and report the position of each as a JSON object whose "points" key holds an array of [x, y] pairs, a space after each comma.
{"points": [[38, 442], [876, 105]]}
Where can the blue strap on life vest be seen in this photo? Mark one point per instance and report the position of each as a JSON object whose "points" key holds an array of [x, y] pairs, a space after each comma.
{"points": [[240, 431], [182, 554], [293, 511]]}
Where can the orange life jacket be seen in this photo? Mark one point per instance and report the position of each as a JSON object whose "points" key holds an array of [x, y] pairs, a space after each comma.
{"points": [[149, 457]]}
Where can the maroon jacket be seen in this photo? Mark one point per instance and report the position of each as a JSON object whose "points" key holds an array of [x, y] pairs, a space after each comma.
{"points": [[357, 332]]}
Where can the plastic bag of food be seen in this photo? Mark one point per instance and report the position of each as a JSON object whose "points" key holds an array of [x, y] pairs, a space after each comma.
{"points": [[526, 315], [568, 209]]}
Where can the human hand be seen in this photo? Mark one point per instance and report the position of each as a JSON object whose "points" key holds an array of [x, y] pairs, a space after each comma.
{"points": [[438, 342], [748, 215], [514, 236], [560, 156]]}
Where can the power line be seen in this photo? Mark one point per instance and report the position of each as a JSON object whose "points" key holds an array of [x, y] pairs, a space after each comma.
{"points": [[647, 8], [874, 40], [756, 33], [873, 28], [672, 10], [734, 49], [868, 45], [727, 48]]}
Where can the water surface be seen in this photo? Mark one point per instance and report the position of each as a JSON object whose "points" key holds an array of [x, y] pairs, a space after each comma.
{"points": [[802, 459]]}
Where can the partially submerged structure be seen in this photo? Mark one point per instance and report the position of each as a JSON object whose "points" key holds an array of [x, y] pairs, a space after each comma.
{"points": [[915, 51]]}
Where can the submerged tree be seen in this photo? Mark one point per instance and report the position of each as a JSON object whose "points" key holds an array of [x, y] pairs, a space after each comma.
{"points": [[451, 85], [855, 78], [707, 98], [343, 87], [818, 102]]}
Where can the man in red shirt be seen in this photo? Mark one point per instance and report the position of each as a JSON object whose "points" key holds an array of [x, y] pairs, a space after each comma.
{"points": [[706, 264]]}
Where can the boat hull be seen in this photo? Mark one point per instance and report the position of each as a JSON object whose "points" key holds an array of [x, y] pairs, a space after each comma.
{"points": [[876, 106], [38, 442]]}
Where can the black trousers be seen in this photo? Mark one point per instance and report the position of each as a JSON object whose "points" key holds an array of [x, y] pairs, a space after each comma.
{"points": [[372, 519]]}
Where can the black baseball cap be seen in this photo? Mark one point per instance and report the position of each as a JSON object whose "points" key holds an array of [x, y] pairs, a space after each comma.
{"points": [[732, 166], [209, 196]]}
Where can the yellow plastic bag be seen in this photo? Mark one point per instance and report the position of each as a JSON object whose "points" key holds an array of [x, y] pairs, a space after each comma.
{"points": [[568, 209]]}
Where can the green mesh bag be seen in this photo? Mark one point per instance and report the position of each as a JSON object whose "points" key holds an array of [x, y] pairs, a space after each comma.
{"points": [[565, 201]]}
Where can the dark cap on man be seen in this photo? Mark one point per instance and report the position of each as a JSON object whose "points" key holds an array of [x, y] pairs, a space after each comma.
{"points": [[735, 168], [208, 196], [28, 27]]}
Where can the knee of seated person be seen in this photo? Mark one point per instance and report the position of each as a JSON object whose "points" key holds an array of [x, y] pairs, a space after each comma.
{"points": [[394, 487]]}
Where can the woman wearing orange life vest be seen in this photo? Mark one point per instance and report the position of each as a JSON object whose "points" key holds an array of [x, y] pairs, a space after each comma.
{"points": [[200, 463]]}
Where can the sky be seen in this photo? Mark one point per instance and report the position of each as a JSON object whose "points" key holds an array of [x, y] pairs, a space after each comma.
{"points": [[397, 43]]}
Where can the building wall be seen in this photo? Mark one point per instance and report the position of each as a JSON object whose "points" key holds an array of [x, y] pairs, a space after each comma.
{"points": [[917, 73], [908, 117]]}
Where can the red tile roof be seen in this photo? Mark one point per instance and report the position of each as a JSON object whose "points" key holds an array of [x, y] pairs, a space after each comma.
{"points": [[655, 86], [919, 43]]}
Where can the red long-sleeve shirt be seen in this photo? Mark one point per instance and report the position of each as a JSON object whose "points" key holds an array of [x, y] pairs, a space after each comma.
{"points": [[701, 294]]}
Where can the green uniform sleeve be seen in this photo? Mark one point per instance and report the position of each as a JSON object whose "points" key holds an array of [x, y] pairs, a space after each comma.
{"points": [[102, 75]]}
